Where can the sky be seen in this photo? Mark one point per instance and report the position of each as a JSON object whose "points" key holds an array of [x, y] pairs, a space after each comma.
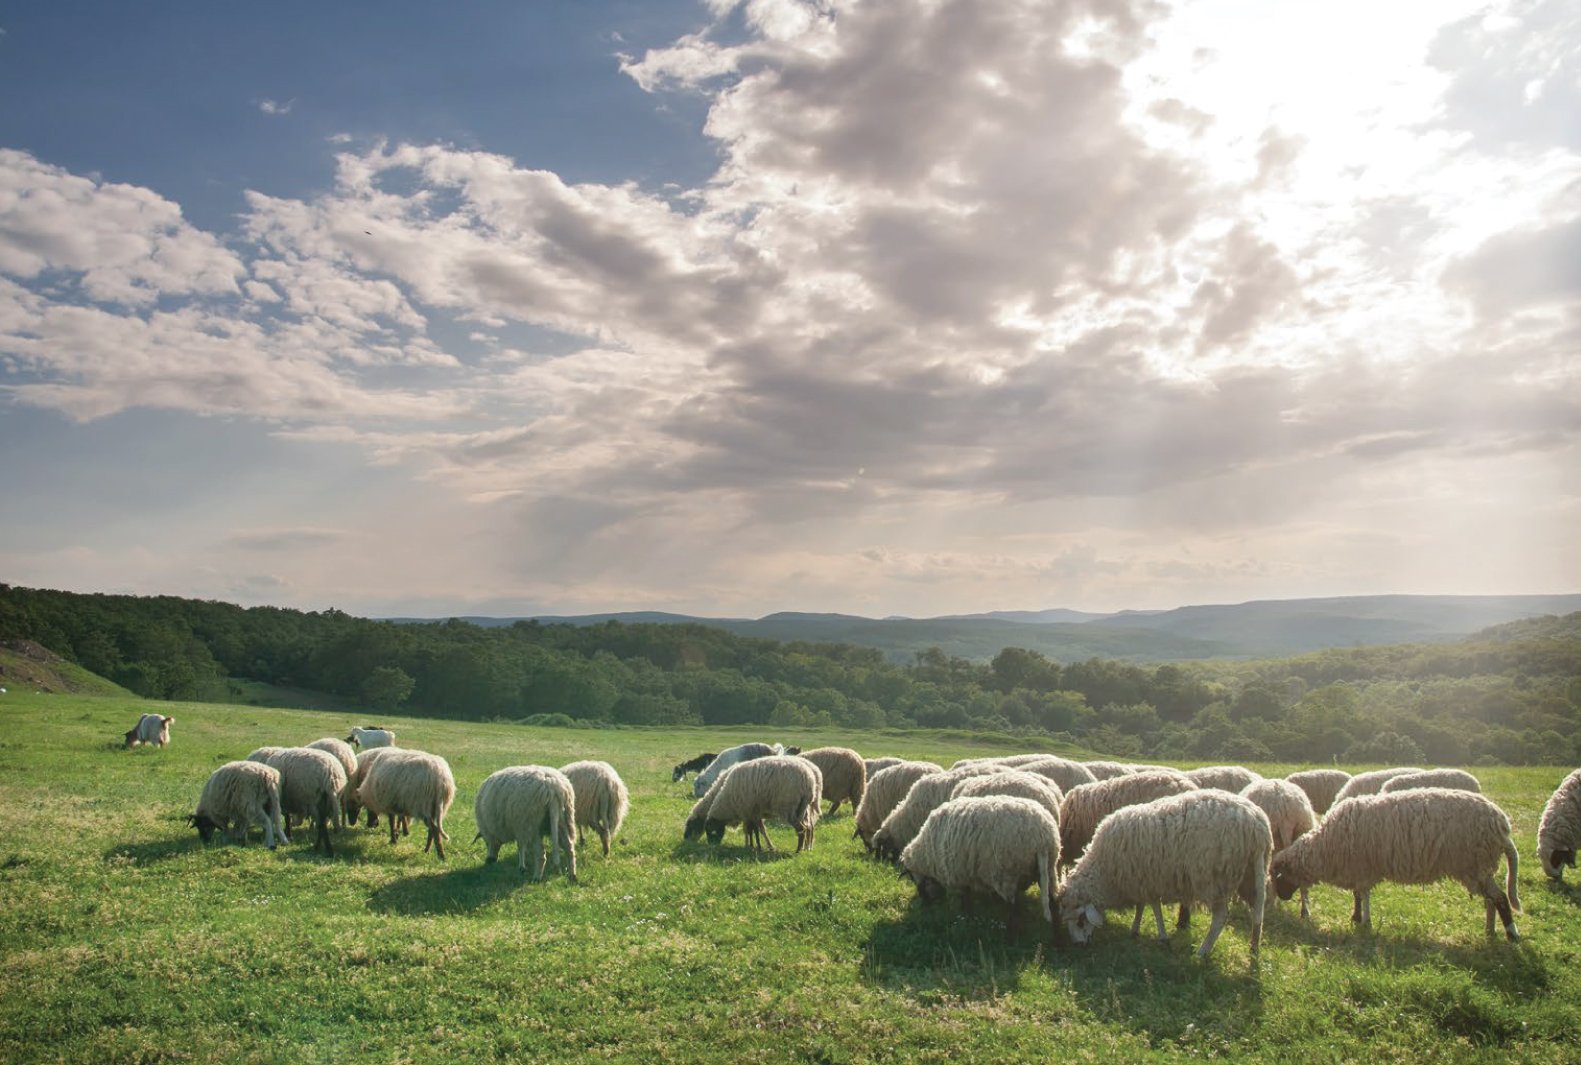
{"points": [[726, 308]]}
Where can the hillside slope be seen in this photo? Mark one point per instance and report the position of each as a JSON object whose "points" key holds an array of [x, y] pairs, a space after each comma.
{"points": [[26, 666]]}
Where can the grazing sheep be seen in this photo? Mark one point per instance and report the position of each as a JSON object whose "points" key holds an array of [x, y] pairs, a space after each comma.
{"points": [[784, 786], [524, 803], [371, 737], [261, 755], [929, 792], [1370, 783], [1101, 770], [365, 761], [691, 765], [873, 765], [1014, 782], [247, 793], [410, 784], [601, 798], [1061, 771], [1087, 805], [1203, 846], [728, 757], [347, 757], [1458, 779], [312, 783], [997, 843], [1409, 837], [1559, 831], [1231, 778], [1321, 786], [844, 775], [885, 790], [151, 729], [1289, 814]]}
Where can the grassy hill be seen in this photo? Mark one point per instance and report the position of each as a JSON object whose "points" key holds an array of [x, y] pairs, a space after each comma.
{"points": [[27, 667], [121, 939]]}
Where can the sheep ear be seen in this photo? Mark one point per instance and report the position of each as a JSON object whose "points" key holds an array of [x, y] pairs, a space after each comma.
{"points": [[1093, 915]]}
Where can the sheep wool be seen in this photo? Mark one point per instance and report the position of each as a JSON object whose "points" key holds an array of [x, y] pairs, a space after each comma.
{"points": [[1231, 778], [371, 737], [1408, 837], [263, 754], [602, 800], [246, 793], [152, 729], [1371, 782], [997, 843], [410, 784], [347, 757], [1086, 806], [1458, 779], [522, 804], [1289, 815], [905, 820], [1101, 770], [1559, 831], [728, 757], [844, 775], [1017, 783], [1062, 772], [311, 785], [784, 786], [1203, 846], [873, 765], [1321, 786], [365, 761], [885, 790]]}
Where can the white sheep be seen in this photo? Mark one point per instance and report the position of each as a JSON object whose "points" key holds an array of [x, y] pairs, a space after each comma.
{"points": [[524, 803], [1371, 782], [1231, 778], [1321, 786], [905, 820], [409, 784], [1059, 771], [261, 755], [246, 793], [347, 757], [152, 729], [602, 800], [1013, 782], [1559, 831], [1458, 779], [728, 757], [1408, 837], [873, 765], [371, 737], [885, 790], [1289, 813], [311, 785], [997, 843], [366, 761], [844, 775], [784, 786], [1102, 770], [1203, 846], [1086, 805]]}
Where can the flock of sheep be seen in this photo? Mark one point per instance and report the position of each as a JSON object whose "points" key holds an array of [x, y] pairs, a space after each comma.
{"points": [[1093, 836]]}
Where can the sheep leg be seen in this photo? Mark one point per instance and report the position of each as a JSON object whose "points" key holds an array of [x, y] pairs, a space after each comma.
{"points": [[570, 853], [391, 818], [1013, 923], [1355, 911], [1183, 921], [1487, 912], [603, 837], [832, 808], [493, 854], [1158, 919], [763, 834], [1503, 904], [535, 850], [1306, 913], [1136, 923], [323, 835], [1221, 913]]}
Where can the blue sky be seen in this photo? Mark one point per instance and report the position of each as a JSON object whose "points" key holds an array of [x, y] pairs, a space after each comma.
{"points": [[726, 308]]}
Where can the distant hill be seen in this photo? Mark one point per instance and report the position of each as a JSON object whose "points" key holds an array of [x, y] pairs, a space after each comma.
{"points": [[27, 666]]}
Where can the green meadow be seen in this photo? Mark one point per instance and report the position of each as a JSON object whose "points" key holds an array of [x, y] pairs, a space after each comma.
{"points": [[122, 939]]}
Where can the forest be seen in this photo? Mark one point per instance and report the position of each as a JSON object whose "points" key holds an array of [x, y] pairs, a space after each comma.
{"points": [[1507, 695]]}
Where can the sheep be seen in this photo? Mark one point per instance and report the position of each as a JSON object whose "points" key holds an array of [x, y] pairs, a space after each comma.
{"points": [[1409, 837], [1088, 804], [1101, 770], [1200, 846], [691, 765], [885, 790], [312, 783], [727, 758], [247, 793], [1370, 783], [1061, 771], [996, 843], [153, 729], [1015, 782], [1231, 778], [1321, 786], [905, 820], [1458, 779], [873, 765], [410, 784], [602, 800], [347, 757], [371, 737], [524, 803], [784, 786], [1289, 813], [366, 761], [844, 775], [1560, 828], [261, 755]]}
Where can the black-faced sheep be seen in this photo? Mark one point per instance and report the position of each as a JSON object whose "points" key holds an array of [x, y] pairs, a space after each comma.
{"points": [[929, 792], [243, 793], [691, 765], [784, 786], [1086, 806], [1458, 779], [153, 729], [1408, 837], [410, 784], [1559, 831], [1321, 786], [885, 790], [844, 775], [996, 843], [524, 803], [1231, 778], [728, 757], [602, 800]]}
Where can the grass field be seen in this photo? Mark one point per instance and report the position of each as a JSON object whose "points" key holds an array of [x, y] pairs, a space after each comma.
{"points": [[123, 940]]}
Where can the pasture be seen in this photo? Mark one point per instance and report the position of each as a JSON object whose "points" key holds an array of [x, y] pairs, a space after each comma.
{"points": [[123, 940]]}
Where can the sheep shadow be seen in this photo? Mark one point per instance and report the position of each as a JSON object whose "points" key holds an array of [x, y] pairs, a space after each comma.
{"points": [[154, 850], [452, 891], [946, 951], [701, 852], [1570, 892]]}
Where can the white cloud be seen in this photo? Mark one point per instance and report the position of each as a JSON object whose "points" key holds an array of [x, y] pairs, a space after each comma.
{"points": [[274, 107]]}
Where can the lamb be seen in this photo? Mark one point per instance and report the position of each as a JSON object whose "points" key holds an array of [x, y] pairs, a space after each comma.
{"points": [[247, 793], [524, 803], [691, 765], [784, 786], [1200, 846], [1370, 783], [1101, 770], [410, 784], [1409, 837], [1289, 813], [1321, 786], [873, 765], [1061, 771], [312, 783], [1560, 828], [1458, 779], [371, 737], [1014, 782], [1231, 778], [997, 843], [885, 790], [1088, 804], [343, 753], [905, 820], [152, 729], [844, 775], [602, 800], [731, 756]]}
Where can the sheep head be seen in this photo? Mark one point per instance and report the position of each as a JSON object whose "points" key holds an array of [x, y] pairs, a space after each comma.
{"points": [[205, 825], [694, 828], [1081, 919], [715, 829]]}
